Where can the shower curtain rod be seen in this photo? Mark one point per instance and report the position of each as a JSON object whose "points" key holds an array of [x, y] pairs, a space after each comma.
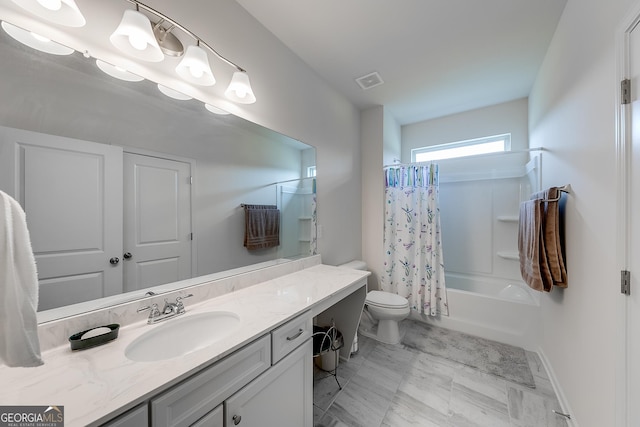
{"points": [[295, 179]]}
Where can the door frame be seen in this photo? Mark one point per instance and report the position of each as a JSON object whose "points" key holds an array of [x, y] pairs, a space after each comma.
{"points": [[192, 217], [623, 206]]}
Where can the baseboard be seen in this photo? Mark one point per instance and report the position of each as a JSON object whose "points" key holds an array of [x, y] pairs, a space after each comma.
{"points": [[557, 388]]}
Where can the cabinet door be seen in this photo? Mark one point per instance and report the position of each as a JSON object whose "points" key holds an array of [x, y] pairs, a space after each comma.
{"points": [[282, 396], [136, 417], [212, 419]]}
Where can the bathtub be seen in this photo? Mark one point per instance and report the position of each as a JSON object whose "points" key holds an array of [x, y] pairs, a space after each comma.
{"points": [[501, 310]]}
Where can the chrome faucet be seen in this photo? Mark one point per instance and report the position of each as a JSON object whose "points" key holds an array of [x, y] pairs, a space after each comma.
{"points": [[170, 309]]}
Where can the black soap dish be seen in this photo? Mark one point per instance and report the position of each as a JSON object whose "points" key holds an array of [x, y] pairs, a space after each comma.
{"points": [[94, 337]]}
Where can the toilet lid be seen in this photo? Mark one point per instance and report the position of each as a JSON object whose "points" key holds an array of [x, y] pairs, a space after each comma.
{"points": [[386, 299]]}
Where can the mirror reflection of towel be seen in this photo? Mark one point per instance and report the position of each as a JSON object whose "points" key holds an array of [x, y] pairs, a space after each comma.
{"points": [[19, 344], [262, 226]]}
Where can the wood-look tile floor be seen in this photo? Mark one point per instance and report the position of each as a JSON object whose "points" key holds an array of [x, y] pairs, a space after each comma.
{"points": [[395, 386]]}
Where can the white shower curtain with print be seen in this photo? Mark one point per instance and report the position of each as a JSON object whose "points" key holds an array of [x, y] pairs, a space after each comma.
{"points": [[413, 262]]}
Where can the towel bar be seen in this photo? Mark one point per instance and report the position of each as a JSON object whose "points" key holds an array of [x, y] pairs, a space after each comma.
{"points": [[563, 189], [246, 205]]}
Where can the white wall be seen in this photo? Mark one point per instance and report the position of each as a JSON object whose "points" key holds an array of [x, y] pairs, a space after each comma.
{"points": [[509, 117], [372, 131], [380, 142], [572, 115]]}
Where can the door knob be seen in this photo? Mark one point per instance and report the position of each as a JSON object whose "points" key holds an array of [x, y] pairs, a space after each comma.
{"points": [[236, 419], [127, 255], [114, 260]]}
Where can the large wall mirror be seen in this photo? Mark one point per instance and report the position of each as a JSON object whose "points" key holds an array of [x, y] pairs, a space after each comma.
{"points": [[169, 173]]}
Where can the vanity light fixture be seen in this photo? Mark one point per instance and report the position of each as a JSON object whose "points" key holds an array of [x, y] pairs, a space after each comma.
{"points": [[134, 36], [239, 89], [195, 68], [63, 12], [36, 41], [118, 72], [216, 110], [172, 93]]}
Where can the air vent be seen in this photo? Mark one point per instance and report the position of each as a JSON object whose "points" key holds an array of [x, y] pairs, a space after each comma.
{"points": [[370, 80]]}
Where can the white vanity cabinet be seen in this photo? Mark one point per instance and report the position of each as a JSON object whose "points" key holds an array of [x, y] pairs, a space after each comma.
{"points": [[248, 387], [136, 417], [189, 401], [282, 396]]}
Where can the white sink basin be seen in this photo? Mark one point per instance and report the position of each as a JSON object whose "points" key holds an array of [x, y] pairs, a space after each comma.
{"points": [[182, 335]]}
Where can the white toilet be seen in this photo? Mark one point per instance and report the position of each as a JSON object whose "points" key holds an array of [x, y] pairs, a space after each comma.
{"points": [[382, 312], [387, 309]]}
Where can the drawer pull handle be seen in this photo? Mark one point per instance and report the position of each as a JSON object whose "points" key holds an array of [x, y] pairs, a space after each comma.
{"points": [[293, 337], [236, 419]]}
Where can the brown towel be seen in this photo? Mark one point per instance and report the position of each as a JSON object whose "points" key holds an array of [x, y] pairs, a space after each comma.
{"points": [[531, 247], [262, 226], [551, 235]]}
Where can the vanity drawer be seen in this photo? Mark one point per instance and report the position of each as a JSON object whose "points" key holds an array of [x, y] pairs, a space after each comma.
{"points": [[290, 335], [189, 401]]}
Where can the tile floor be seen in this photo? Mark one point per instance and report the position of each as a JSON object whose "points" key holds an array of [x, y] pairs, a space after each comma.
{"points": [[396, 386]]}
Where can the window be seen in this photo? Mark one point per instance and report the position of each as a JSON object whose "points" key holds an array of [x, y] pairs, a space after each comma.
{"points": [[470, 147]]}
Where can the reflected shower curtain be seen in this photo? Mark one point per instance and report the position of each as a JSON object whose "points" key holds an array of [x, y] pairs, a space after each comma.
{"points": [[413, 262]]}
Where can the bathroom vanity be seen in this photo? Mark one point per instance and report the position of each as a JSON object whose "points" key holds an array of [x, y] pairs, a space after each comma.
{"points": [[259, 374], [267, 382]]}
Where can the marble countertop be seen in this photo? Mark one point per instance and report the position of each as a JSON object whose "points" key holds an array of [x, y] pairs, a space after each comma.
{"points": [[94, 384]]}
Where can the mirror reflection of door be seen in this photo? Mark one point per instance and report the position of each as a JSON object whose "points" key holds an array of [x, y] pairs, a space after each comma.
{"points": [[157, 221], [72, 192]]}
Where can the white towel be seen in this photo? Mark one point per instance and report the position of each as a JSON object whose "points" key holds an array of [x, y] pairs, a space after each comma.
{"points": [[19, 345]]}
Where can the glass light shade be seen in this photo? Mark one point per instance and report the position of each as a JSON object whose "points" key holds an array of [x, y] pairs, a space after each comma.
{"points": [[118, 72], [172, 93], [195, 68], [63, 12], [35, 41], [51, 4], [134, 36], [216, 110], [239, 89]]}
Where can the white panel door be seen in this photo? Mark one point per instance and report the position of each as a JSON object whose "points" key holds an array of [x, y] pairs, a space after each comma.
{"points": [[71, 193], [157, 221], [633, 300]]}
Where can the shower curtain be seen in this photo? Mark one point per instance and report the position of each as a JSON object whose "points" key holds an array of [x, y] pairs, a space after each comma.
{"points": [[413, 264]]}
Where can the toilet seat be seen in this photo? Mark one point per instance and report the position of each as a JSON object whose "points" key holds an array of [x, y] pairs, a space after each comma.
{"points": [[388, 300]]}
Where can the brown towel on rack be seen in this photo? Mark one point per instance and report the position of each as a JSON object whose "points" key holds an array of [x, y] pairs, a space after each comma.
{"points": [[262, 226], [531, 247], [551, 234]]}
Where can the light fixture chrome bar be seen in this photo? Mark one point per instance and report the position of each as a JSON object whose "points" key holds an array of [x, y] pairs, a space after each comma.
{"points": [[184, 29]]}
